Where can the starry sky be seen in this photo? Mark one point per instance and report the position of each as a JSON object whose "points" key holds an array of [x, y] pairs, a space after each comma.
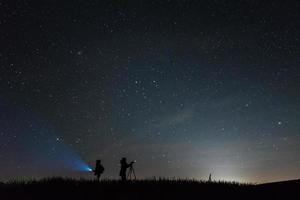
{"points": [[185, 88]]}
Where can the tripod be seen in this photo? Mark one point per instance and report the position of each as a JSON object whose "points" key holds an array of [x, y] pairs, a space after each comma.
{"points": [[131, 173]]}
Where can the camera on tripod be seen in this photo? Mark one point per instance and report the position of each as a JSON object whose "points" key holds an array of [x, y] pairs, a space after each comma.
{"points": [[131, 172]]}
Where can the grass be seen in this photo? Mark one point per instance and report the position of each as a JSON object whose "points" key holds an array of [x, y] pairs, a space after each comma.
{"points": [[161, 188]]}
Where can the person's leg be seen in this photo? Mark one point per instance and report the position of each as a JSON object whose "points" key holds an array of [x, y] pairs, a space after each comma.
{"points": [[123, 177]]}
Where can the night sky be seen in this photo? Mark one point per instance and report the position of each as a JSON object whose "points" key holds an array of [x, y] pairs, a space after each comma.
{"points": [[185, 88]]}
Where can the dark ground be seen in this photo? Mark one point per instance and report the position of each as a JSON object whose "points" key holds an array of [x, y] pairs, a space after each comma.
{"points": [[58, 188]]}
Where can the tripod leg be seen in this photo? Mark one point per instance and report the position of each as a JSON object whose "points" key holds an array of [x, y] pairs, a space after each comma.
{"points": [[133, 173], [130, 173]]}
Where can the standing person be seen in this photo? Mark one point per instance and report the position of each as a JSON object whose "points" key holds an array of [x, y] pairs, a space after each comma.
{"points": [[124, 166], [99, 169]]}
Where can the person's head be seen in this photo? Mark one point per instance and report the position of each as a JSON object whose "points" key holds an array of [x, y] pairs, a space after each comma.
{"points": [[98, 162], [123, 160]]}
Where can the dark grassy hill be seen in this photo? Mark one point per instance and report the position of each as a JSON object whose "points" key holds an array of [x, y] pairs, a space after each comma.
{"points": [[58, 188]]}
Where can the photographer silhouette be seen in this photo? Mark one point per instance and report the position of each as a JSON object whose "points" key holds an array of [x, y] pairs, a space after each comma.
{"points": [[99, 169]]}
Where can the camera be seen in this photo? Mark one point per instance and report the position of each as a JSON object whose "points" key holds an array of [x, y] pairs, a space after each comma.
{"points": [[132, 162]]}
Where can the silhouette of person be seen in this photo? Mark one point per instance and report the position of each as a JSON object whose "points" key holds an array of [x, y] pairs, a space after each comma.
{"points": [[99, 169], [124, 166]]}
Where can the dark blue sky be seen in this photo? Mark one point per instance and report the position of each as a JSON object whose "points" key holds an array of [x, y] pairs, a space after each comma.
{"points": [[186, 88]]}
